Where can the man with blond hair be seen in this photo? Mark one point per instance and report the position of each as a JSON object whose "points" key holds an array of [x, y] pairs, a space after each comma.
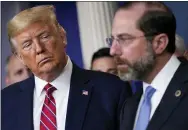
{"points": [[60, 95]]}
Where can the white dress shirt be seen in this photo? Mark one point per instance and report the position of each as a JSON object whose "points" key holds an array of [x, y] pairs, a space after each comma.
{"points": [[160, 83], [62, 84]]}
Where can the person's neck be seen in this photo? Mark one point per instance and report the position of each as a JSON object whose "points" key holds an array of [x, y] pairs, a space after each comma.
{"points": [[49, 77], [160, 63]]}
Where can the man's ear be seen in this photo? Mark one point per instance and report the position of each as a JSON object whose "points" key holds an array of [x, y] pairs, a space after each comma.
{"points": [[160, 43], [63, 35], [15, 51]]}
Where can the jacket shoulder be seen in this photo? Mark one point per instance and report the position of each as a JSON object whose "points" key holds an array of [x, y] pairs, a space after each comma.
{"points": [[107, 81]]}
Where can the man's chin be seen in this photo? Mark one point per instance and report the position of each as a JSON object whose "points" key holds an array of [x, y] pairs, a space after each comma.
{"points": [[47, 68], [124, 76]]}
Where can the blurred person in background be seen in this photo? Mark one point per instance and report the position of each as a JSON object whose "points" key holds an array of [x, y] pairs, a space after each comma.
{"points": [[103, 61], [186, 54], [180, 46], [15, 70], [181, 50]]}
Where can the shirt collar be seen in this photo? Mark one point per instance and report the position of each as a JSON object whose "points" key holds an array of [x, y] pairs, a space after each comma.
{"points": [[62, 82], [163, 78]]}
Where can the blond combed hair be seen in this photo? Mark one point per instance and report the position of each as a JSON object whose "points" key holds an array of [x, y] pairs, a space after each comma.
{"points": [[43, 13]]}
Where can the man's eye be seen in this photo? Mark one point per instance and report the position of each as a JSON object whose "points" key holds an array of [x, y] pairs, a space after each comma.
{"points": [[125, 38], [26, 45], [19, 72], [44, 37], [122, 39]]}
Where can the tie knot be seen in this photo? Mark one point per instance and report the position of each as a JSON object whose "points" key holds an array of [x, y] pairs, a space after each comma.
{"points": [[49, 89], [149, 92]]}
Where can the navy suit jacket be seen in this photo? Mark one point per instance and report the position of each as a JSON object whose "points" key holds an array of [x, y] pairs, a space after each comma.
{"points": [[99, 110], [136, 86], [172, 112]]}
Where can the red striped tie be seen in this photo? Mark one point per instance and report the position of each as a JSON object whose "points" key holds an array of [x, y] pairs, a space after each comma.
{"points": [[48, 114]]}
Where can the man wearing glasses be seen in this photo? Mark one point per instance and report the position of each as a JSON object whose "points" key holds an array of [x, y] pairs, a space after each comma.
{"points": [[143, 43]]}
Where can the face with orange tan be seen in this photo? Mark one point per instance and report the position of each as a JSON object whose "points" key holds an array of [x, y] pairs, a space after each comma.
{"points": [[41, 47], [39, 41]]}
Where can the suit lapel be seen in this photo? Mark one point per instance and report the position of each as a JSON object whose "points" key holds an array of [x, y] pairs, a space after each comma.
{"points": [[25, 105], [79, 95], [129, 111], [175, 92]]}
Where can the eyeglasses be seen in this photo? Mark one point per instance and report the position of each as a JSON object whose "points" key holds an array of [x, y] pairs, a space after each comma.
{"points": [[123, 41]]}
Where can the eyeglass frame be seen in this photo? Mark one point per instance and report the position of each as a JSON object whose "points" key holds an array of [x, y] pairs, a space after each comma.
{"points": [[126, 39]]}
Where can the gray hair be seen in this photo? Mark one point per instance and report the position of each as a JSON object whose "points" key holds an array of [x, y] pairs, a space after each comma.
{"points": [[180, 45]]}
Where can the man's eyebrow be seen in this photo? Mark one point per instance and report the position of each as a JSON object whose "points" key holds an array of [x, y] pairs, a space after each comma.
{"points": [[122, 35], [38, 35], [26, 40], [42, 32]]}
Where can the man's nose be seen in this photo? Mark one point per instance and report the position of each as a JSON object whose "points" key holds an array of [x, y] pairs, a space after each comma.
{"points": [[115, 49], [39, 47]]}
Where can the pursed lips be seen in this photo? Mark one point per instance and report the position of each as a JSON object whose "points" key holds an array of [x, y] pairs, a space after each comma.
{"points": [[44, 60]]}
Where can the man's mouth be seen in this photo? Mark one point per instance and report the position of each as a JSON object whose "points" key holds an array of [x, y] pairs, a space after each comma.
{"points": [[122, 67], [44, 60]]}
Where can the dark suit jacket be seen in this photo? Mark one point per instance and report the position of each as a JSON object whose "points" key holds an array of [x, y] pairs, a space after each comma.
{"points": [[99, 110], [172, 112], [136, 86], [182, 59]]}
